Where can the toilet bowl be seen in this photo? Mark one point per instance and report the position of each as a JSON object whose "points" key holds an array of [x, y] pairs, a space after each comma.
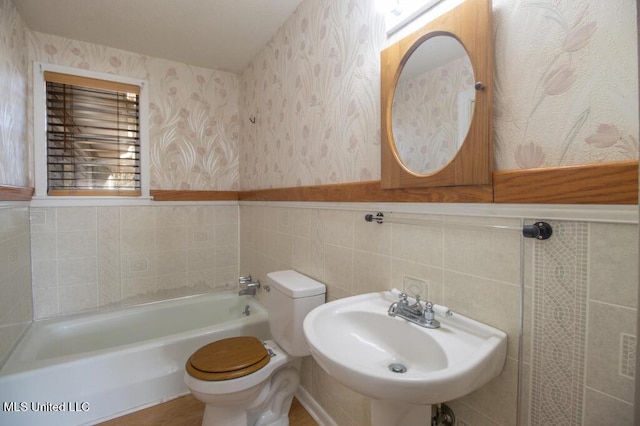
{"points": [[244, 381]]}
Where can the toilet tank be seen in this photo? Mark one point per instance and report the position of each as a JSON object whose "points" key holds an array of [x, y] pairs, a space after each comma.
{"points": [[289, 297]]}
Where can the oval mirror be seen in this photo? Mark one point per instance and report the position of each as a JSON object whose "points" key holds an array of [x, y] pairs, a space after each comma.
{"points": [[437, 104], [433, 104]]}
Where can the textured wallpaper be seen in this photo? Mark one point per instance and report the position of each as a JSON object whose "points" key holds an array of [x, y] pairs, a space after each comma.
{"points": [[13, 88], [566, 82], [194, 128], [314, 92], [306, 110], [566, 91]]}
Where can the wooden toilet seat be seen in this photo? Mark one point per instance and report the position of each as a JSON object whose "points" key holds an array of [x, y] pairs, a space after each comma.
{"points": [[228, 359]]}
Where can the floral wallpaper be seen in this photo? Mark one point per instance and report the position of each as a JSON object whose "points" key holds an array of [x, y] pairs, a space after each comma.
{"points": [[426, 116], [13, 92], [306, 110], [566, 91], [314, 94], [566, 83], [193, 117]]}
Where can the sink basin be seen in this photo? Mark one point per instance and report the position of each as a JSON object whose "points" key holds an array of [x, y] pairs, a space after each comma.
{"points": [[356, 341]]}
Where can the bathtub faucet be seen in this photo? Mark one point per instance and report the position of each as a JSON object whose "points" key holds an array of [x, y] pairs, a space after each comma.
{"points": [[248, 287]]}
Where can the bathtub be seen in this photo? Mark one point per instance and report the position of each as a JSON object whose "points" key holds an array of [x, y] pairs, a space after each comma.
{"points": [[90, 368]]}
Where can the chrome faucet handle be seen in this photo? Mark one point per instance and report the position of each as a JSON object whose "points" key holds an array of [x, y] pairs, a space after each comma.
{"points": [[403, 299], [245, 279], [429, 314]]}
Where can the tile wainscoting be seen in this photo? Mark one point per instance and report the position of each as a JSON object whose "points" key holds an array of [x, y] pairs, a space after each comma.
{"points": [[89, 258], [16, 311], [579, 300]]}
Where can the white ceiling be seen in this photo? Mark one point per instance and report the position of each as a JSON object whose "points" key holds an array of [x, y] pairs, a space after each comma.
{"points": [[219, 34]]}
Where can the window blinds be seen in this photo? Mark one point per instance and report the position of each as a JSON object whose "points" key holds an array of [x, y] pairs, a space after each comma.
{"points": [[93, 136]]}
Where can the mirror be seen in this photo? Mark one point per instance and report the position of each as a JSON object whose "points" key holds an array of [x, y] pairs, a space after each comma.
{"points": [[437, 102], [433, 104]]}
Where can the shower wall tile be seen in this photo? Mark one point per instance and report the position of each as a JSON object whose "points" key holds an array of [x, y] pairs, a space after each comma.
{"points": [[225, 235], [76, 219], [169, 262], [219, 214], [200, 259], [77, 271], [43, 246], [43, 219], [109, 264], [44, 274], [76, 244], [88, 258], [226, 277], [138, 217], [16, 307], [45, 302], [137, 240], [202, 236], [138, 290], [171, 238], [78, 298]]}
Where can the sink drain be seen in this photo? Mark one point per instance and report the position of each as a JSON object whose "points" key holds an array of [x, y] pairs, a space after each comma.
{"points": [[397, 367]]}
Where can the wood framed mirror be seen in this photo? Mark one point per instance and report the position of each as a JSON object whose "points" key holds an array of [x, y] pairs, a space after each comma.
{"points": [[437, 102]]}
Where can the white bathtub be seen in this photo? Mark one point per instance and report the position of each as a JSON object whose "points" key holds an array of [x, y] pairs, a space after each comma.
{"points": [[90, 368]]}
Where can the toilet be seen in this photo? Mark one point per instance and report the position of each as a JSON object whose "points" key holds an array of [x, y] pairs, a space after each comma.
{"points": [[244, 381]]}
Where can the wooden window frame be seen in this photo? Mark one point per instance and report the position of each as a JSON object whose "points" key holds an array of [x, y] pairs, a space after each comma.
{"points": [[107, 81]]}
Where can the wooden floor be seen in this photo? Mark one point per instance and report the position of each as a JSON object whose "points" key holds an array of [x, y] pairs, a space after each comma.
{"points": [[188, 411]]}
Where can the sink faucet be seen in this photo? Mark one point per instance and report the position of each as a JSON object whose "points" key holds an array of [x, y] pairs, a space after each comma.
{"points": [[424, 317], [249, 287]]}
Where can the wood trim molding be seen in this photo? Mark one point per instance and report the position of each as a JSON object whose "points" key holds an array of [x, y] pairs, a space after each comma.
{"points": [[607, 183], [371, 192], [15, 193], [178, 195]]}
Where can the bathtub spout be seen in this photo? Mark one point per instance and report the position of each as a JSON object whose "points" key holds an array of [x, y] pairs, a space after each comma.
{"points": [[250, 288]]}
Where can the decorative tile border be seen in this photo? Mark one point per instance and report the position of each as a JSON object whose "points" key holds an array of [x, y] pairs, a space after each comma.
{"points": [[559, 331], [627, 355]]}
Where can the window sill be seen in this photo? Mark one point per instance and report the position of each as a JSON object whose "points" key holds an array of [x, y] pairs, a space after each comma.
{"points": [[78, 201], [59, 201]]}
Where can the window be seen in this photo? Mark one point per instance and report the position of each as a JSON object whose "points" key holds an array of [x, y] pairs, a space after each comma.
{"points": [[399, 13], [90, 140]]}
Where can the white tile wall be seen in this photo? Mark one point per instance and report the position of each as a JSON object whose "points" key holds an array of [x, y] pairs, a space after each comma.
{"points": [[16, 310], [88, 258]]}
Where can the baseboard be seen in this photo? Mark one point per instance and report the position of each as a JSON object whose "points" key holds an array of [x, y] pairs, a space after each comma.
{"points": [[314, 409]]}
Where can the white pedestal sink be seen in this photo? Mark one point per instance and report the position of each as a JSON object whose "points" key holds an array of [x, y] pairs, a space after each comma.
{"points": [[403, 367]]}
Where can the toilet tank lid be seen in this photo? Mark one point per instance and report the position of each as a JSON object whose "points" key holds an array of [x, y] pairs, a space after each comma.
{"points": [[294, 284]]}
